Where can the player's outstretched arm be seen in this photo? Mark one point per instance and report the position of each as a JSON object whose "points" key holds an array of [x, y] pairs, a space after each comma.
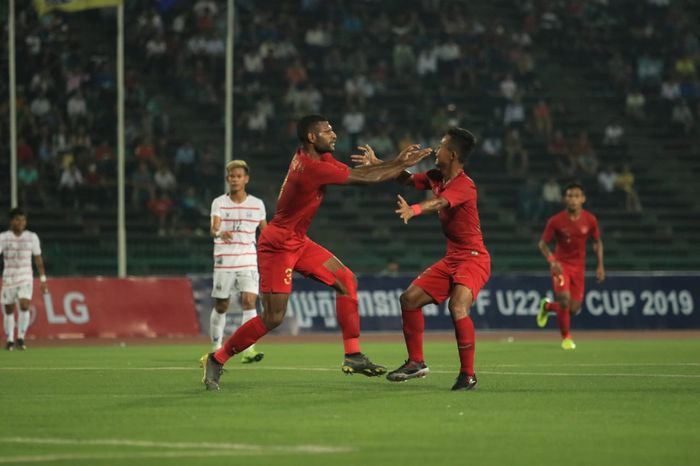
{"points": [[368, 158], [390, 170], [407, 212]]}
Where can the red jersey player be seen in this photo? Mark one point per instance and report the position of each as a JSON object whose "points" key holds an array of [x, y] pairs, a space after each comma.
{"points": [[463, 271], [284, 247], [570, 228]]}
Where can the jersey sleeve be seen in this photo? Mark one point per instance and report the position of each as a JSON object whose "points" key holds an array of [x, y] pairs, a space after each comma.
{"points": [[459, 193], [595, 229], [548, 233], [421, 181], [36, 245], [263, 213], [329, 171], [216, 208]]}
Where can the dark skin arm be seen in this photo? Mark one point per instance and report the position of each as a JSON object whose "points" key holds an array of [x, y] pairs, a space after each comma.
{"points": [[377, 173], [368, 159], [39, 262]]}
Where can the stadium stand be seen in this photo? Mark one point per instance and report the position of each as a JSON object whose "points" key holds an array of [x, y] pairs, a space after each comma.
{"points": [[516, 73]]}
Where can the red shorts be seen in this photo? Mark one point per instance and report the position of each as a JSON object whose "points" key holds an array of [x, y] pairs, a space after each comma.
{"points": [[280, 254], [572, 280], [439, 279]]}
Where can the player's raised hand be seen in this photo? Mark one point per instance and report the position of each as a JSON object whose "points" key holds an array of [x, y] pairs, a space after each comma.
{"points": [[366, 158], [413, 154], [404, 210], [600, 274]]}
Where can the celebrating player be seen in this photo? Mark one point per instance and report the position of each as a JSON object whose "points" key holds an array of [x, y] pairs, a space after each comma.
{"points": [[18, 245], [284, 246], [463, 271], [570, 228], [235, 217]]}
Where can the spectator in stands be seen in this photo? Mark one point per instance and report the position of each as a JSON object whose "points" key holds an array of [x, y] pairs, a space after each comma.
{"points": [[558, 149], [28, 184], [141, 186], [161, 208], [192, 211], [514, 114], [635, 105], [551, 196], [94, 187], [146, 151], [353, 123], [682, 117], [584, 155], [391, 269], [607, 184], [70, 186], [614, 133], [625, 181], [529, 201], [164, 179], [542, 118], [515, 152], [76, 108]]}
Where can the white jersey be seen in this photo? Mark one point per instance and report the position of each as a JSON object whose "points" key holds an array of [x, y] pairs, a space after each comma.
{"points": [[17, 252], [243, 220]]}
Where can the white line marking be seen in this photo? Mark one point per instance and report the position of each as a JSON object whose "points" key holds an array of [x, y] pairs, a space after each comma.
{"points": [[178, 445], [590, 374], [117, 456]]}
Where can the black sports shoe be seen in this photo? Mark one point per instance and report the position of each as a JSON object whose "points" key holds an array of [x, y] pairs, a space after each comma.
{"points": [[20, 344], [464, 382], [358, 363], [409, 370], [10, 345], [212, 373]]}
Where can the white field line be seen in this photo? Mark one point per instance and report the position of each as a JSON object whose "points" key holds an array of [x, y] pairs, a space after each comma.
{"points": [[204, 448], [118, 456]]}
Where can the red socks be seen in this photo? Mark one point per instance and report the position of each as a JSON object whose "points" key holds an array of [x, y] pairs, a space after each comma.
{"points": [[349, 322], [413, 327], [563, 318], [246, 335], [464, 331]]}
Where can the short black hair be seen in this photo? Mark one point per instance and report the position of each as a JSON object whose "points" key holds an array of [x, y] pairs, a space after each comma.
{"points": [[574, 185], [16, 212], [462, 142], [306, 124]]}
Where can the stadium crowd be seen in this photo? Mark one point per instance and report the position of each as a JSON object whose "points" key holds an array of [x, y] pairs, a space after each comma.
{"points": [[385, 75]]}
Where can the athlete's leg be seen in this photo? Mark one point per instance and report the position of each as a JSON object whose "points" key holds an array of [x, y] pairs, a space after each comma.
{"points": [[23, 318], [461, 300], [412, 301], [9, 324], [217, 322]]}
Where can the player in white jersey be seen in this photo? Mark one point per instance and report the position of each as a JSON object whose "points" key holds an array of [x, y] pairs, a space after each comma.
{"points": [[17, 246], [235, 218]]}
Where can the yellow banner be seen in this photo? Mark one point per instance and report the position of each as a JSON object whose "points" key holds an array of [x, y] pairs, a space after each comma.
{"points": [[44, 6]]}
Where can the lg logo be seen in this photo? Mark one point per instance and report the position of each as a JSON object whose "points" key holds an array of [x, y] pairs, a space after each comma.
{"points": [[75, 310]]}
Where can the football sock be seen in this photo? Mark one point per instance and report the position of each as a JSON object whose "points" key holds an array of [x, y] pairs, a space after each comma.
{"points": [[9, 322], [563, 318], [246, 335], [413, 328], [245, 317], [22, 324], [464, 331], [349, 322], [217, 322]]}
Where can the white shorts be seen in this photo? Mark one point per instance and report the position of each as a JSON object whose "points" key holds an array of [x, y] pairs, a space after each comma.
{"points": [[227, 284], [12, 294]]}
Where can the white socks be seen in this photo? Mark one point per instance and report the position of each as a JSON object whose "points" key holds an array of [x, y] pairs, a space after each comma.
{"points": [[9, 322], [246, 316], [217, 322], [23, 324]]}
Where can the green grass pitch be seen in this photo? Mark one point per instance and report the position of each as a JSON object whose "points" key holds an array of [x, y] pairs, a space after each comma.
{"points": [[609, 402]]}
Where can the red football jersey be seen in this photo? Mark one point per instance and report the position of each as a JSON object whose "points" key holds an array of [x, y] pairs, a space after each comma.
{"points": [[303, 189], [460, 221], [571, 236]]}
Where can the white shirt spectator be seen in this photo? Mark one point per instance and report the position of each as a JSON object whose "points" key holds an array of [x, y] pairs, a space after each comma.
{"points": [[40, 106], [71, 178], [200, 8], [606, 180], [427, 62], [76, 106], [513, 113], [253, 62], [165, 180], [551, 192], [354, 121], [670, 90]]}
